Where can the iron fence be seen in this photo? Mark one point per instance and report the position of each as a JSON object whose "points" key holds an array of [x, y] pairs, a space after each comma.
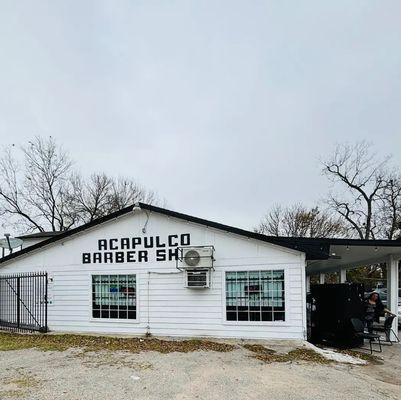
{"points": [[23, 302]]}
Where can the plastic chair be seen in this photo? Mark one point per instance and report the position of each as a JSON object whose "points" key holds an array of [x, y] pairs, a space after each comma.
{"points": [[359, 330]]}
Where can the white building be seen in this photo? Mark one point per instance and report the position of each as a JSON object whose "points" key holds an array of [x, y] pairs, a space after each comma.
{"points": [[127, 274]]}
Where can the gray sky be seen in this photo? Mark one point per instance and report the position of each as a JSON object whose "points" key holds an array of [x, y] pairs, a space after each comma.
{"points": [[223, 107]]}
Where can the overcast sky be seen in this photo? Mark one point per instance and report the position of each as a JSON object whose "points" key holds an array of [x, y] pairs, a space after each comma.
{"points": [[222, 107]]}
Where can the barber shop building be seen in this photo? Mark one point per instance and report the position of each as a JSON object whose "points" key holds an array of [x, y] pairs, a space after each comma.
{"points": [[148, 270]]}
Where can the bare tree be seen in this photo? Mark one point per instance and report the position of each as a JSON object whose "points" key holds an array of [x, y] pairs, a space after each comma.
{"points": [[101, 195], [47, 182], [13, 204], [126, 191], [91, 197], [300, 221], [390, 208], [272, 222], [33, 197], [43, 192], [362, 179], [369, 200]]}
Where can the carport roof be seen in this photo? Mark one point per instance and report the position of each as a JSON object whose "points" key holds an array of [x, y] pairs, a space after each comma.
{"points": [[349, 254], [321, 253], [343, 253]]}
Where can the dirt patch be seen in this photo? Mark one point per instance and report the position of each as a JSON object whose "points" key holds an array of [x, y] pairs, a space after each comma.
{"points": [[13, 341], [270, 356], [116, 359], [19, 385], [208, 375]]}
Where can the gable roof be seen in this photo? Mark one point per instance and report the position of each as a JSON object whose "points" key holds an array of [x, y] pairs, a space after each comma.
{"points": [[314, 248]]}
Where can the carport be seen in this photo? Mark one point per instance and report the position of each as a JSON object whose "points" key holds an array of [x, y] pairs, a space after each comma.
{"points": [[325, 255]]}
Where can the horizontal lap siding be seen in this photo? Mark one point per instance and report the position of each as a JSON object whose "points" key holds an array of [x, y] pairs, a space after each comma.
{"points": [[174, 309]]}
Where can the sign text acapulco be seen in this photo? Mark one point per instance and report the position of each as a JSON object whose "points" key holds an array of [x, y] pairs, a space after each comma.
{"points": [[137, 249]]}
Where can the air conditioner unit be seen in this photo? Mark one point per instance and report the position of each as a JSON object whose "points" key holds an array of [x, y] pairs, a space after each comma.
{"points": [[197, 278], [196, 257]]}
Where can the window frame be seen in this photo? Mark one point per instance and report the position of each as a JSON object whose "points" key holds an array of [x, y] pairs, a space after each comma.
{"points": [[113, 320], [286, 322]]}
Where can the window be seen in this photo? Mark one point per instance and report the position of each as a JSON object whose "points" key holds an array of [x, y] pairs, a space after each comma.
{"points": [[255, 296], [114, 296]]}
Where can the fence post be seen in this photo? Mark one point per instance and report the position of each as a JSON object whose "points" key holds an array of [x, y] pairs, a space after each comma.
{"points": [[46, 283], [18, 301]]}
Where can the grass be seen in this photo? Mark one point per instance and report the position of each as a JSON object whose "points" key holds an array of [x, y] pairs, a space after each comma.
{"points": [[270, 356], [14, 341]]}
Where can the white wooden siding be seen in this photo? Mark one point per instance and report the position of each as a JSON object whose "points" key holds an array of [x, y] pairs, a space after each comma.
{"points": [[173, 309]]}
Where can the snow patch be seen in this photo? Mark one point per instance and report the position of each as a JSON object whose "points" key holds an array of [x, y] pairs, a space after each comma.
{"points": [[335, 356]]}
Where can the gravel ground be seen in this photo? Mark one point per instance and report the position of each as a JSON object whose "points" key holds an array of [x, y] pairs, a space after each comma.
{"points": [[77, 375]]}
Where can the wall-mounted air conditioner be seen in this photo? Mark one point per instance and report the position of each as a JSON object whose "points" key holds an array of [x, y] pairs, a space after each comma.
{"points": [[197, 263], [197, 278], [196, 257]]}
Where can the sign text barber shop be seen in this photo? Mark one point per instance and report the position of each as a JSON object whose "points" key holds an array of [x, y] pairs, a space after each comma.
{"points": [[137, 249]]}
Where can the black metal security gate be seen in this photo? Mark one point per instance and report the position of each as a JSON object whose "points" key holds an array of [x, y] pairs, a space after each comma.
{"points": [[23, 302]]}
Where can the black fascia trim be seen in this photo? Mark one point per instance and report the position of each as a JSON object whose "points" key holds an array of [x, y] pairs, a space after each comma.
{"points": [[344, 241], [315, 248], [314, 251], [39, 235]]}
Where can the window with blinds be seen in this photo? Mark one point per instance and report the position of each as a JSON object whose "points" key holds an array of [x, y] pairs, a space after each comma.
{"points": [[114, 296], [255, 296]]}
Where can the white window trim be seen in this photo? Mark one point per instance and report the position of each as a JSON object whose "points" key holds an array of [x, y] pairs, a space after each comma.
{"points": [[256, 323], [113, 320]]}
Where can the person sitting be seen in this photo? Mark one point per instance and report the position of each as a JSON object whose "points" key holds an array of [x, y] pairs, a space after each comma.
{"points": [[374, 308]]}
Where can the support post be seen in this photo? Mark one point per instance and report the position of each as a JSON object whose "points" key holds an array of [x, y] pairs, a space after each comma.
{"points": [[321, 278], [343, 275], [307, 283], [392, 290]]}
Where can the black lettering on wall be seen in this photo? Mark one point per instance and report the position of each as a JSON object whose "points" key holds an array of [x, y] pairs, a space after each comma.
{"points": [[158, 244], [131, 256], [143, 256], [102, 244], [172, 254], [97, 258], [148, 242], [185, 239], [113, 246], [119, 257], [86, 258], [108, 257], [124, 243], [131, 249], [160, 255], [173, 240], [136, 241]]}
